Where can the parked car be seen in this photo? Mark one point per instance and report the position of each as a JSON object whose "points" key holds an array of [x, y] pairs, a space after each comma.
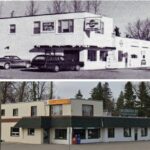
{"points": [[7, 62], [55, 63]]}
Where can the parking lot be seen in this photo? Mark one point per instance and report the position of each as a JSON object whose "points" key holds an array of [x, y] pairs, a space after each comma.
{"points": [[101, 146], [83, 74]]}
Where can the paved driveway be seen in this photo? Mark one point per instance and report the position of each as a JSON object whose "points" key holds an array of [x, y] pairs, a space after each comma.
{"points": [[92, 74], [103, 146]]}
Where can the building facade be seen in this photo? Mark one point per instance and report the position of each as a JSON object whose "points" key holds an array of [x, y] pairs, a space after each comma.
{"points": [[81, 36], [60, 121]]}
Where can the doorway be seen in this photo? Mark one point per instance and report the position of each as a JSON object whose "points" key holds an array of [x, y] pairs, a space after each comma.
{"points": [[135, 134], [46, 136]]}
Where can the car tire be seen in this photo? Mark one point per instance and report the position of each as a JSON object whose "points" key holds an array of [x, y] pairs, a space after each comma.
{"points": [[28, 65], [56, 68], [7, 66], [77, 68]]}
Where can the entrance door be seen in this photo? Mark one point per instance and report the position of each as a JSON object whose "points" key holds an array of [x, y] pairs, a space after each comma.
{"points": [[46, 136], [135, 134]]}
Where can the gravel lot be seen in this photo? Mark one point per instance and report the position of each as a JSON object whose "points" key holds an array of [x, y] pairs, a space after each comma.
{"points": [[103, 146], [93, 74]]}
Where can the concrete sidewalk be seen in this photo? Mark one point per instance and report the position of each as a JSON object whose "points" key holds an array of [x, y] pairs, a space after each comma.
{"points": [[101, 146]]}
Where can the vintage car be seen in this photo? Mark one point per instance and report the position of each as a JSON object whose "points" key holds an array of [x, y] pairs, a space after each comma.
{"points": [[55, 63], [7, 62]]}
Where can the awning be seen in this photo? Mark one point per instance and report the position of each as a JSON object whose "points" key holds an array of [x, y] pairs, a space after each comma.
{"points": [[34, 122], [49, 49]]}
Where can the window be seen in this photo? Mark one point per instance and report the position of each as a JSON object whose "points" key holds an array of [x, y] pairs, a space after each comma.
{"points": [[3, 112], [12, 28], [93, 133], [144, 132], [120, 56], [111, 133], [134, 56], [65, 26], [101, 30], [61, 134], [15, 112], [48, 26], [14, 131], [33, 110], [127, 132], [37, 27], [56, 110], [31, 131], [92, 55], [103, 55], [79, 132], [87, 110]]}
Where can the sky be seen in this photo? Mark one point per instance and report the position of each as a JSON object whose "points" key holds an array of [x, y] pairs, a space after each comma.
{"points": [[68, 89], [122, 12]]}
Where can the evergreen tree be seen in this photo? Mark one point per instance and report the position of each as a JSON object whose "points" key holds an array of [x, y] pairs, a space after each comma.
{"points": [[144, 99], [120, 101], [129, 95], [79, 95]]}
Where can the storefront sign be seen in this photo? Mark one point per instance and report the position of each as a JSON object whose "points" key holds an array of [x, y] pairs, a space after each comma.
{"points": [[92, 24], [59, 102]]}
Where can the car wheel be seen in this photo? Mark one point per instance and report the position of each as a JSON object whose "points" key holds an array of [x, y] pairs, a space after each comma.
{"points": [[56, 68], [77, 68], [28, 65], [7, 66]]}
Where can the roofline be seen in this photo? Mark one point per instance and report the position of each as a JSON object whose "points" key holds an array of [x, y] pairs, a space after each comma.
{"points": [[38, 15]]}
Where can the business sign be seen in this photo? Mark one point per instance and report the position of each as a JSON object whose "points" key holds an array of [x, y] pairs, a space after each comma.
{"points": [[59, 102], [128, 112], [92, 24]]}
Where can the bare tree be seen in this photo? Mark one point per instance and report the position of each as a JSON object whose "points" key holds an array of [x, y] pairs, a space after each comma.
{"points": [[96, 6], [77, 6], [1, 7], [32, 8], [88, 6], [139, 30]]}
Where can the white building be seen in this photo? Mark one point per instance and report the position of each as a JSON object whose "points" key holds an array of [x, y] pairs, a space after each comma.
{"points": [[82, 36], [60, 121]]}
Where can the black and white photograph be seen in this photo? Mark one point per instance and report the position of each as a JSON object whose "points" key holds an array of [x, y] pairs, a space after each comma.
{"points": [[75, 39]]}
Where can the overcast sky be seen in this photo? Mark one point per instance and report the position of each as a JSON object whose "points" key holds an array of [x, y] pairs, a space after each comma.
{"points": [[67, 89], [123, 12]]}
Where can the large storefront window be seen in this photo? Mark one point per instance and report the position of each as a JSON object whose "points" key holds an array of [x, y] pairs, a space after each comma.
{"points": [[87, 110], [56, 110], [65, 26], [79, 132], [111, 132], [127, 132], [33, 110], [144, 132], [14, 131], [61, 134], [92, 55], [93, 133]]}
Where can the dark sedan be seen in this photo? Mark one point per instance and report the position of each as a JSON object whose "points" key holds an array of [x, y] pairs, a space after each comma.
{"points": [[7, 62]]}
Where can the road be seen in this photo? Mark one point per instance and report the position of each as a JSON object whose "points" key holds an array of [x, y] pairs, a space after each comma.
{"points": [[100, 146], [83, 74]]}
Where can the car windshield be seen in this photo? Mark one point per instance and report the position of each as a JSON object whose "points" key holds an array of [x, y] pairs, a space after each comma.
{"points": [[62, 58], [15, 58]]}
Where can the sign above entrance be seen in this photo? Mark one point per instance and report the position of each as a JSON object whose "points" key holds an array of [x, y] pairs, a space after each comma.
{"points": [[92, 24], [59, 102]]}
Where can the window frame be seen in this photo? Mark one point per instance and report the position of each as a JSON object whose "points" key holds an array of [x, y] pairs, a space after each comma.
{"points": [[90, 113], [14, 113], [97, 132], [59, 134], [12, 29], [127, 132], [60, 106], [145, 132], [92, 55], [70, 28], [111, 135], [33, 112], [2, 112], [14, 133], [30, 132], [50, 22], [37, 30]]}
